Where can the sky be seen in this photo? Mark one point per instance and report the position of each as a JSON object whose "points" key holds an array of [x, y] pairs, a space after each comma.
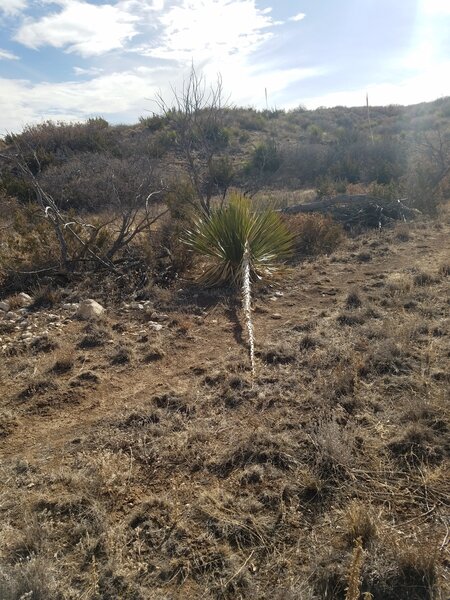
{"points": [[77, 59]]}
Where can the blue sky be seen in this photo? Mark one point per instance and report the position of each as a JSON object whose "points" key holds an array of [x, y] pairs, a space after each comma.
{"points": [[74, 59]]}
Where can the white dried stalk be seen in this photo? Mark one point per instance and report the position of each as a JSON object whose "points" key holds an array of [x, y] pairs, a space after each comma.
{"points": [[246, 302]]}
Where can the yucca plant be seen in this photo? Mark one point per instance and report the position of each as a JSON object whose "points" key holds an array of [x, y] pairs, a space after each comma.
{"points": [[240, 244]]}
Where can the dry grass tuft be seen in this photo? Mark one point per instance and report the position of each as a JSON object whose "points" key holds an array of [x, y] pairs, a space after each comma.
{"points": [[353, 300], [444, 270], [64, 363], [277, 355], [422, 279], [153, 354], [122, 356], [359, 524], [95, 337]]}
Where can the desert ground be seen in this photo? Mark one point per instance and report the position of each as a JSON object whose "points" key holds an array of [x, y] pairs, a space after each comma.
{"points": [[141, 460]]}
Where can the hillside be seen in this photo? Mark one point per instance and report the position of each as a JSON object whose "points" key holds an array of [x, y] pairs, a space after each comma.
{"points": [[326, 149], [140, 460]]}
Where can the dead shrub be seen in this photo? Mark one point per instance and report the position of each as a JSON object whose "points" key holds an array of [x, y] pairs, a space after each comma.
{"points": [[8, 422], [398, 570], [308, 342], [173, 403], [43, 344], [402, 233], [32, 579], [334, 446], [444, 270], [36, 388], [256, 448], [45, 298], [363, 257], [315, 234], [399, 283]]}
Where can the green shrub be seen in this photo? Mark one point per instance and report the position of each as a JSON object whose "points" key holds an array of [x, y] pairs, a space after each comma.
{"points": [[266, 158], [222, 237]]}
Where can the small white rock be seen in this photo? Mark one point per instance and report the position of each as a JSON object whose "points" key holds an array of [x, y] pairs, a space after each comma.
{"points": [[137, 305], [90, 309], [24, 299], [155, 326], [4, 306]]}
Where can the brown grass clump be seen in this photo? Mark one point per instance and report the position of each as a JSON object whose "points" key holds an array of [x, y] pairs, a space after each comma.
{"points": [[153, 353], [402, 232], [95, 336], [423, 278], [350, 319], [386, 359], [121, 356], [277, 355], [359, 524], [45, 298], [353, 300], [43, 344], [416, 445], [315, 234], [64, 363], [399, 283]]}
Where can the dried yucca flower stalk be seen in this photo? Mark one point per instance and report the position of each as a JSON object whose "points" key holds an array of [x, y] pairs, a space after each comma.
{"points": [[246, 302]]}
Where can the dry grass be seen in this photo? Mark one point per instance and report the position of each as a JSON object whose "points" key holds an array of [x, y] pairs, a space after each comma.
{"points": [[315, 234], [140, 464]]}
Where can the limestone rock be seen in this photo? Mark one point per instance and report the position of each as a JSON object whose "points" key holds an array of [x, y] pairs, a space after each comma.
{"points": [[90, 309], [24, 299]]}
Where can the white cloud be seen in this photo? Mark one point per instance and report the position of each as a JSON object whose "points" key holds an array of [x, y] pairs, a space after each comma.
{"points": [[80, 27], [436, 7], [12, 7], [6, 55], [298, 17], [123, 94], [248, 83], [208, 29], [141, 5], [425, 87], [88, 71]]}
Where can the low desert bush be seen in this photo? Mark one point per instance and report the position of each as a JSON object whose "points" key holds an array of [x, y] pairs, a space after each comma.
{"points": [[315, 234]]}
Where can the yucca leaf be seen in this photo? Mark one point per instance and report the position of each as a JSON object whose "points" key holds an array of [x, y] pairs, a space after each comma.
{"points": [[222, 236]]}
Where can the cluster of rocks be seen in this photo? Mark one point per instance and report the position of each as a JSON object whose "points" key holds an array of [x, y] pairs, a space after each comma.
{"points": [[21, 325]]}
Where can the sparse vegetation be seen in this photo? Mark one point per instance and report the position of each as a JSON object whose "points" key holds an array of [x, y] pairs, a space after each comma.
{"points": [[140, 458]]}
